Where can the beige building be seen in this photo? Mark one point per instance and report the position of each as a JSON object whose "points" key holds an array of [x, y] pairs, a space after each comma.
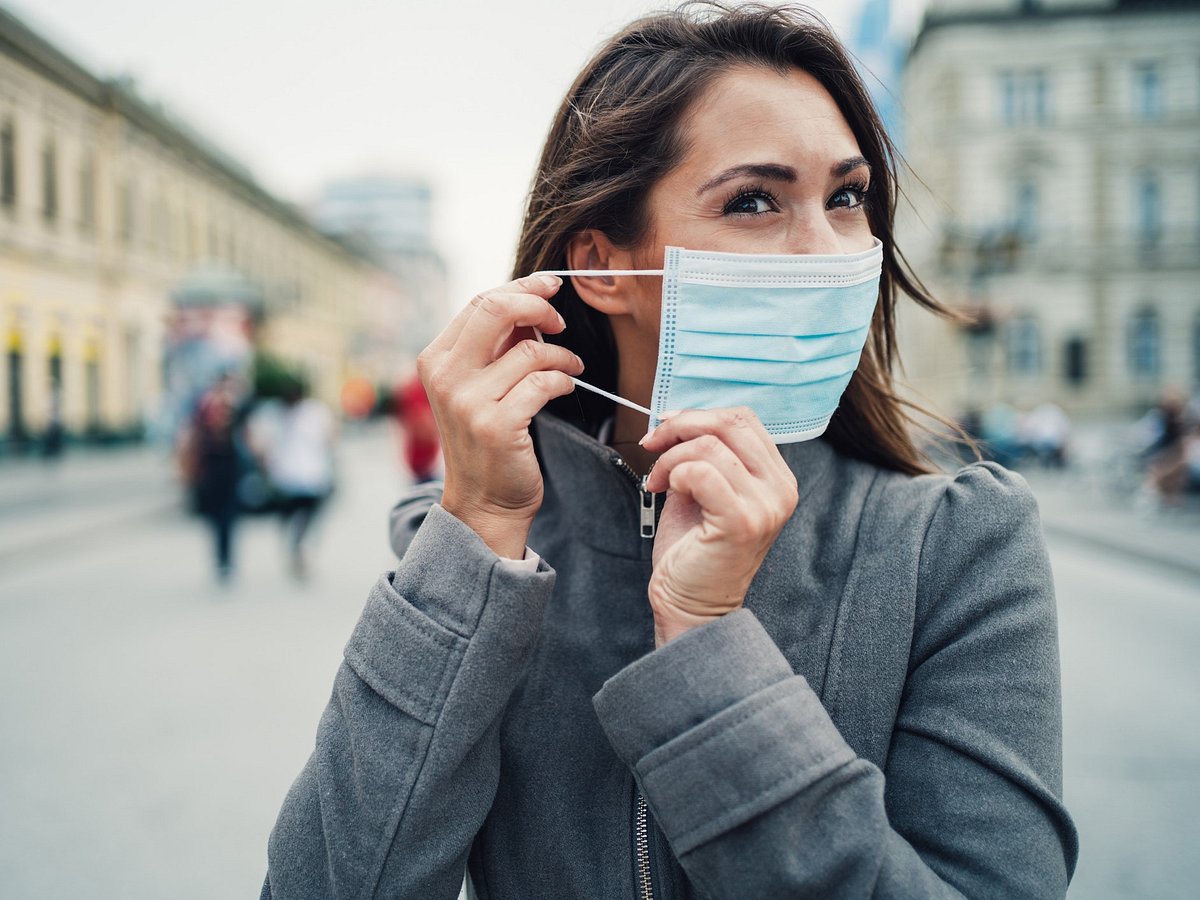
{"points": [[1059, 146], [107, 208]]}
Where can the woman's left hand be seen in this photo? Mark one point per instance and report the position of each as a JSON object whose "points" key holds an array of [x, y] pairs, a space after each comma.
{"points": [[730, 494]]}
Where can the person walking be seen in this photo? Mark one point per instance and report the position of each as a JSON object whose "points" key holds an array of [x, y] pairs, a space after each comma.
{"points": [[418, 429], [299, 467], [213, 455]]}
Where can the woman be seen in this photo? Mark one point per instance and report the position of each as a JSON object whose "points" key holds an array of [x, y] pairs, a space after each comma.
{"points": [[810, 669]]}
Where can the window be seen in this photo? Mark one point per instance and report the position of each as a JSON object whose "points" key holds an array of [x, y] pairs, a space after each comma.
{"points": [[1025, 97], [1025, 211], [1040, 99], [8, 165], [1024, 346], [1147, 91], [1145, 344], [87, 195], [91, 381], [1008, 98], [1149, 209], [49, 181], [16, 393], [1075, 361]]}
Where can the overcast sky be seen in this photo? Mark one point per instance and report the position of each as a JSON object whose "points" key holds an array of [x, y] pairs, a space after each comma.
{"points": [[459, 92]]}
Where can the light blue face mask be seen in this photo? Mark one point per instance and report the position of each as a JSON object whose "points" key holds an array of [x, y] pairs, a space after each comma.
{"points": [[779, 334]]}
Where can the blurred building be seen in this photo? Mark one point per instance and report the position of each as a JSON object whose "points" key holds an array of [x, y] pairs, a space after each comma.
{"points": [[117, 223], [879, 52], [391, 219], [1056, 149]]}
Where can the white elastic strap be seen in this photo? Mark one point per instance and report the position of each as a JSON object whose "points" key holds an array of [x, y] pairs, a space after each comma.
{"points": [[596, 390], [596, 273]]}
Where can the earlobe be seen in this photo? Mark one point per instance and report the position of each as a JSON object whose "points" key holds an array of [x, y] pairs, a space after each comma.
{"points": [[592, 249]]}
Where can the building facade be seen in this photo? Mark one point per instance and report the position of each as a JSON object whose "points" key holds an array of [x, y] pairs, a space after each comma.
{"points": [[391, 219], [107, 207], [1055, 149]]}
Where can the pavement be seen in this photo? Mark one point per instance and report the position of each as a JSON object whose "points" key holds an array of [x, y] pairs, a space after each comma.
{"points": [[1079, 507], [44, 504]]}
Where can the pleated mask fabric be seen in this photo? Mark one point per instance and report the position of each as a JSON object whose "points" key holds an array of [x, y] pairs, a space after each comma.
{"points": [[781, 334]]}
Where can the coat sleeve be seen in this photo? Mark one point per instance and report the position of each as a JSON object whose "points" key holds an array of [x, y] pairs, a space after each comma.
{"points": [[759, 795], [407, 752]]}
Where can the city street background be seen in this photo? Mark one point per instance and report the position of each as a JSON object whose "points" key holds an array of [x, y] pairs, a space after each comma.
{"points": [[153, 719]]}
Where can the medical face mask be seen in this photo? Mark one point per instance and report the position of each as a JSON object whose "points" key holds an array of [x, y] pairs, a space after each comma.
{"points": [[779, 334]]}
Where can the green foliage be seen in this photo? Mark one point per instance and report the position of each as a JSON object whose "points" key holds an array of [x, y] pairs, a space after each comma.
{"points": [[274, 377]]}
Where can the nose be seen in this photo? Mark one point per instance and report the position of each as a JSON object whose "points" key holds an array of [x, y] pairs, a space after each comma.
{"points": [[814, 235]]}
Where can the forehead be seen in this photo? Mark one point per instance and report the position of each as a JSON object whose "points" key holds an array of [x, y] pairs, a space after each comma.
{"points": [[762, 112]]}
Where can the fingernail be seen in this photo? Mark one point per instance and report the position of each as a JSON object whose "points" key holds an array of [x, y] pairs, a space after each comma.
{"points": [[550, 280], [669, 413], [645, 437], [561, 321]]}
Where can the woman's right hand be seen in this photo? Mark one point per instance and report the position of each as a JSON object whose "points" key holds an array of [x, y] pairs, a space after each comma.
{"points": [[487, 376]]}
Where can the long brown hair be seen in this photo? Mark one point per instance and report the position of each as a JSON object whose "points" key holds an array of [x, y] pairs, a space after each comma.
{"points": [[618, 131]]}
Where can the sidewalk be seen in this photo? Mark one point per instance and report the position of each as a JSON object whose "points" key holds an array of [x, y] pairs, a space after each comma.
{"points": [[43, 504], [1073, 507]]}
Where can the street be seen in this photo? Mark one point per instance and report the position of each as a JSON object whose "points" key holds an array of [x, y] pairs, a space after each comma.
{"points": [[154, 720]]}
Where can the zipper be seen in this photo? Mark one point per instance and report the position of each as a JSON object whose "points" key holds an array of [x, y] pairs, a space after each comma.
{"points": [[649, 501], [641, 815], [641, 840]]}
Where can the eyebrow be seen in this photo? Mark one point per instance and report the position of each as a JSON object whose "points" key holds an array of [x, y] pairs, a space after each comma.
{"points": [[776, 172], [846, 166]]}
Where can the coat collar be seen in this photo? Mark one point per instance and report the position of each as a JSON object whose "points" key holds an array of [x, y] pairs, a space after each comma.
{"points": [[597, 496]]}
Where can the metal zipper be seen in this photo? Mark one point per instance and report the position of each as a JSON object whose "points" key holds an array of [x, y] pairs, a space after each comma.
{"points": [[641, 815], [649, 501], [641, 840]]}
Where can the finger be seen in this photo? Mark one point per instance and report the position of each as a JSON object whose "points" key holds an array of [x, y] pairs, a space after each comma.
{"points": [[706, 448], [544, 286], [738, 428], [530, 394], [527, 356], [488, 332], [704, 483]]}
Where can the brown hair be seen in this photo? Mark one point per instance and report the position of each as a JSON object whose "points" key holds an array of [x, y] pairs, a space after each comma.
{"points": [[618, 131]]}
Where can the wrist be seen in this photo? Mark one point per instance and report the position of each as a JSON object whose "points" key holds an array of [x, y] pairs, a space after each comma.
{"points": [[506, 532], [670, 624]]}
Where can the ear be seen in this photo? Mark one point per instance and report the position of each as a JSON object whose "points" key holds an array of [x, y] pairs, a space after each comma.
{"points": [[592, 249]]}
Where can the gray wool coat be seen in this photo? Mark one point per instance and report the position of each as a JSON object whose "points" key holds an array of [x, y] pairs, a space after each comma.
{"points": [[882, 719]]}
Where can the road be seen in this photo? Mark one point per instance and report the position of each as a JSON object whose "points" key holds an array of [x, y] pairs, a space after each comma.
{"points": [[153, 720], [1131, 712]]}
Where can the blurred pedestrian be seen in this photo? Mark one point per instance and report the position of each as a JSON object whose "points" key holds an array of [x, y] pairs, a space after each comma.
{"points": [[1001, 434], [213, 457], [1173, 454], [299, 464], [414, 415], [1162, 426], [1046, 433]]}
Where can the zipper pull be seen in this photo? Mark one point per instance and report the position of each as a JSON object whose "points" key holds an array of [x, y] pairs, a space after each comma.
{"points": [[649, 502]]}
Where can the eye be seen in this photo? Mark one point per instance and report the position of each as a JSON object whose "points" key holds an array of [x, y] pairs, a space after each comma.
{"points": [[849, 196], [750, 202]]}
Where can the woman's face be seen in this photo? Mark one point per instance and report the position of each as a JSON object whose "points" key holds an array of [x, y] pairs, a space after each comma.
{"points": [[770, 166]]}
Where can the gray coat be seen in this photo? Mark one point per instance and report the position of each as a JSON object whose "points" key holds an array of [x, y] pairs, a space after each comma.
{"points": [[883, 718]]}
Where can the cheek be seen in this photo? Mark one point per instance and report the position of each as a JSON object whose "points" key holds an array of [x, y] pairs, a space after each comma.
{"points": [[648, 306]]}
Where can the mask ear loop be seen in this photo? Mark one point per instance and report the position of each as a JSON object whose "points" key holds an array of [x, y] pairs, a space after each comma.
{"points": [[598, 273]]}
